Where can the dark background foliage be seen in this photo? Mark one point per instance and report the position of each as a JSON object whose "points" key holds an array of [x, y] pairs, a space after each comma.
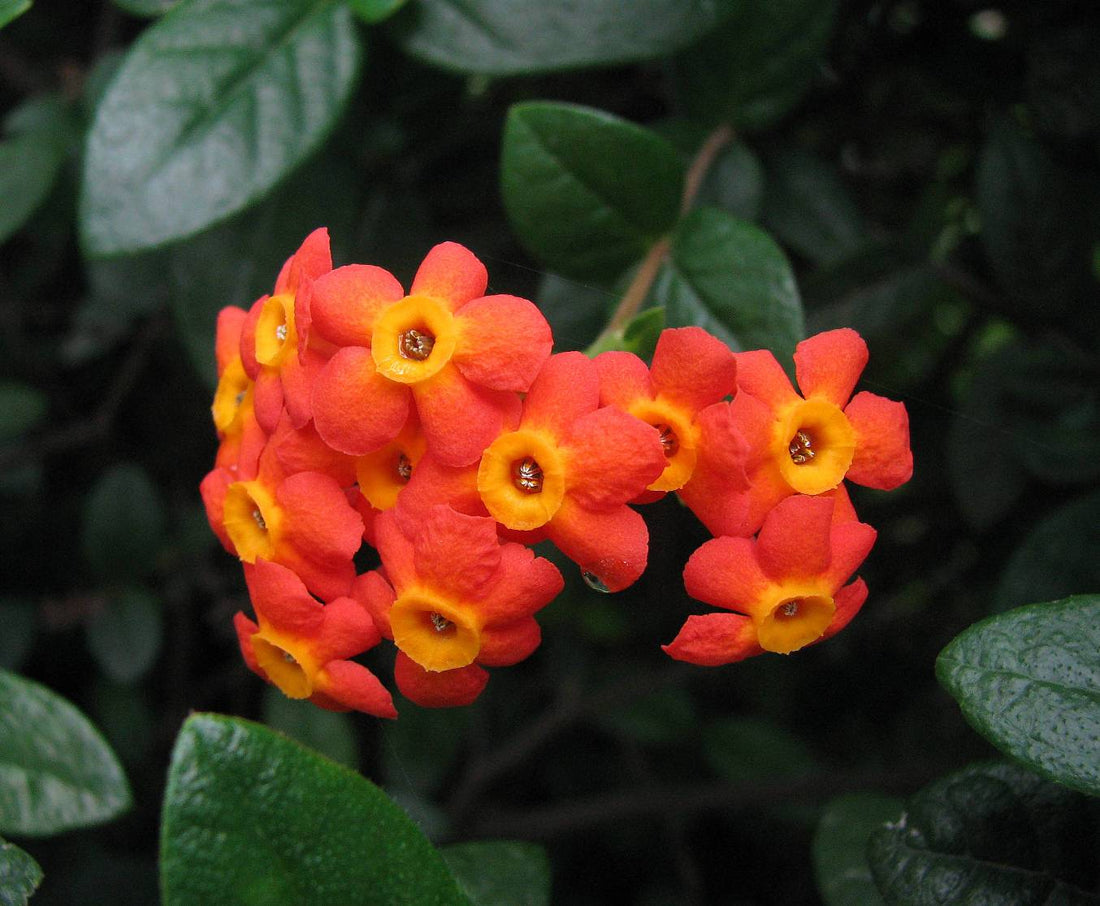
{"points": [[931, 170]]}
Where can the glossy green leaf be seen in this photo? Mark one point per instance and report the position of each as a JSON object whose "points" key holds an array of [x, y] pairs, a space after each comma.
{"points": [[39, 135], [328, 732], [251, 817], [840, 847], [639, 336], [730, 278], [12, 9], [1056, 558], [757, 65], [373, 11], [124, 521], [500, 873], [56, 772], [22, 408], [18, 619], [125, 637], [808, 208], [507, 37], [1026, 680], [20, 875], [587, 193], [215, 104], [993, 835], [146, 8]]}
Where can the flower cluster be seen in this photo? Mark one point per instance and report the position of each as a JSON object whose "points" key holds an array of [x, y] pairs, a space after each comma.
{"points": [[437, 427]]}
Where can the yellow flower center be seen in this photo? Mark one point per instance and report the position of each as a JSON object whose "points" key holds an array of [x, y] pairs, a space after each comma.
{"points": [[436, 633], [521, 479], [229, 398], [252, 520], [383, 473], [814, 444], [413, 339], [678, 438], [287, 663], [276, 336], [793, 622]]}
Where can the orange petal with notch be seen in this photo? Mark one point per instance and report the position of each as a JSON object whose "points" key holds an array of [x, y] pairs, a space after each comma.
{"points": [[794, 539], [883, 458], [354, 687], [567, 387], [455, 554], [612, 458], [623, 378], [693, 368], [312, 259], [760, 374], [452, 273], [355, 409], [374, 594], [245, 629], [611, 545], [345, 303], [849, 600], [460, 419], [724, 572], [502, 342], [713, 639], [348, 631], [281, 600], [522, 585], [509, 643], [227, 336], [448, 689], [829, 364]]}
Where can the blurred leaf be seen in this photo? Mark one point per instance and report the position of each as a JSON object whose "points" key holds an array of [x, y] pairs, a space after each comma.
{"points": [[744, 749], [214, 105], [125, 637], [734, 182], [575, 311], [1039, 225], [20, 875], [664, 717], [419, 749], [1056, 558], [124, 522], [1063, 82], [500, 873], [373, 11], [18, 620], [587, 193], [757, 65], [56, 772], [809, 209], [251, 817], [328, 732], [730, 278], [990, 834], [146, 8], [11, 9], [1026, 680], [40, 133], [840, 847], [124, 715], [508, 37], [22, 408], [639, 336]]}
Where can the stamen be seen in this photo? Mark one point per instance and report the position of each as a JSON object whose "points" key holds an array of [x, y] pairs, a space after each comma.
{"points": [[258, 516], [527, 475], [789, 609], [669, 441], [239, 397], [280, 332], [289, 658], [801, 448], [440, 622], [416, 344], [404, 467]]}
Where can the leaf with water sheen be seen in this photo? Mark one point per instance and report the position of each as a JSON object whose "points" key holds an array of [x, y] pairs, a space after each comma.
{"points": [[1029, 681], [215, 104], [38, 136], [11, 9], [840, 847], [56, 772], [251, 817], [20, 875], [588, 193]]}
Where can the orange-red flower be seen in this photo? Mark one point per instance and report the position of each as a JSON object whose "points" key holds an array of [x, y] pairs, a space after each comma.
{"points": [[809, 444], [458, 600], [455, 354], [786, 587], [303, 647], [240, 435]]}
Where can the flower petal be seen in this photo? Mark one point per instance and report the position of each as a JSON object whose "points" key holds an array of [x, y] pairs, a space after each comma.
{"points": [[611, 545], [212, 489], [450, 272], [456, 554], [355, 409], [267, 399], [449, 689], [374, 594], [281, 600], [509, 643], [851, 542], [353, 686], [714, 639], [302, 450], [434, 483], [227, 336], [298, 375], [760, 374], [623, 378], [693, 368], [883, 458], [312, 259], [794, 539], [245, 630], [829, 364], [348, 631], [848, 602], [319, 520], [396, 551], [345, 303], [612, 458], [522, 585], [502, 342], [460, 419], [718, 490], [567, 387], [724, 572]]}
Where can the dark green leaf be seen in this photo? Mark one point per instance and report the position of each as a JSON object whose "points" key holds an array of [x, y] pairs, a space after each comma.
{"points": [[147, 8], [251, 817], [327, 732], [1038, 225], [11, 9], [575, 311], [664, 717], [373, 11], [743, 749], [506, 37], [734, 183], [500, 873], [587, 193], [1056, 558], [19, 875], [125, 637], [758, 64], [419, 749], [994, 835], [56, 772], [124, 522], [639, 336], [124, 715], [840, 847], [1026, 680], [18, 620], [39, 136], [22, 408], [730, 278], [809, 209], [214, 104]]}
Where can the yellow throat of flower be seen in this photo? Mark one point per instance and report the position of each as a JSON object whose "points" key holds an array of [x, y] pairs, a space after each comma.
{"points": [[814, 445], [521, 479], [436, 633], [413, 339]]}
